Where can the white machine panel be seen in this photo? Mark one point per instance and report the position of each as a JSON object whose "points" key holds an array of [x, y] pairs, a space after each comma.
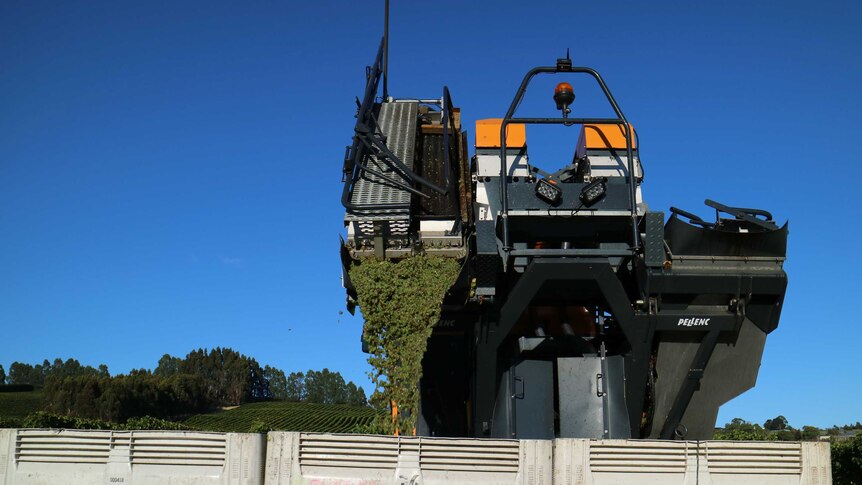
{"points": [[488, 163]]}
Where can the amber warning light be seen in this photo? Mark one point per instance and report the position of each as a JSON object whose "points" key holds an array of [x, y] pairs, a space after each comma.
{"points": [[564, 96]]}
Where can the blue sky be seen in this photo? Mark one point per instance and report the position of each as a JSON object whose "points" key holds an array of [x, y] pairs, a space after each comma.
{"points": [[170, 171]]}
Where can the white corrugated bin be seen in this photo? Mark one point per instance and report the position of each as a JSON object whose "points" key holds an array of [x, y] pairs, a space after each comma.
{"points": [[54, 456], [30, 457], [652, 462], [331, 459]]}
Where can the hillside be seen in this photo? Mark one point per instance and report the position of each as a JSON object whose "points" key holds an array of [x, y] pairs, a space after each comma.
{"points": [[18, 405], [274, 415], [285, 416]]}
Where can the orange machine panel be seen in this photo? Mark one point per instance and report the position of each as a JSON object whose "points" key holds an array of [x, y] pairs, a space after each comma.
{"points": [[488, 134], [607, 137]]}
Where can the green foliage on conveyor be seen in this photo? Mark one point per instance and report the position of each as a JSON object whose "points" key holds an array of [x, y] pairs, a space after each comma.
{"points": [[401, 304]]}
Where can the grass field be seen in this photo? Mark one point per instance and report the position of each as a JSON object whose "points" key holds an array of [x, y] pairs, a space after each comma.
{"points": [[285, 416], [18, 405]]}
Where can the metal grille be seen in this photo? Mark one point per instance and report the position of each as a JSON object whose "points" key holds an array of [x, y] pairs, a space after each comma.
{"points": [[348, 451], [54, 446], [468, 455], [754, 458], [397, 123], [186, 449], [395, 228], [638, 457]]}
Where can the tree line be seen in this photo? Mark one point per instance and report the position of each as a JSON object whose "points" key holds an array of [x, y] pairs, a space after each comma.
{"points": [[35, 375], [201, 381], [779, 429], [845, 442]]}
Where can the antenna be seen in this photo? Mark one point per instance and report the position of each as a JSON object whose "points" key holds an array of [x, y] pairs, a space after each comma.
{"points": [[563, 64], [386, 51]]}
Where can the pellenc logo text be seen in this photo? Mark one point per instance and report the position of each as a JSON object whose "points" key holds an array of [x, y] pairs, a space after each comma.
{"points": [[693, 322]]}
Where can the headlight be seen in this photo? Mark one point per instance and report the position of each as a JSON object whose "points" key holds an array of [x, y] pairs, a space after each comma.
{"points": [[547, 191], [594, 191]]}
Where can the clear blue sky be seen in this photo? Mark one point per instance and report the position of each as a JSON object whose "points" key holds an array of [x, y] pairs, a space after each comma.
{"points": [[170, 171]]}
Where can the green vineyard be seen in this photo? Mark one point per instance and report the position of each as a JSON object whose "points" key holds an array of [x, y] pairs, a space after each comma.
{"points": [[285, 416], [18, 405]]}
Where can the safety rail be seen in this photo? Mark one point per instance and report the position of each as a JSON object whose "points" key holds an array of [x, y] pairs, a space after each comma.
{"points": [[356, 152], [366, 143], [564, 66]]}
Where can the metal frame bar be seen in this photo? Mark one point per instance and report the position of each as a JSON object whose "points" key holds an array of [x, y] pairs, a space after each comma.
{"points": [[447, 120], [389, 181], [744, 214], [509, 118], [386, 50], [570, 252]]}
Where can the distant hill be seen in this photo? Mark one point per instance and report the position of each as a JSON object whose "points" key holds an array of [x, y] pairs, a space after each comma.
{"points": [[16, 406], [285, 416]]}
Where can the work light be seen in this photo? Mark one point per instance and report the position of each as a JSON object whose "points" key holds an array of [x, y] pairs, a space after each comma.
{"points": [[549, 192], [594, 191]]}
